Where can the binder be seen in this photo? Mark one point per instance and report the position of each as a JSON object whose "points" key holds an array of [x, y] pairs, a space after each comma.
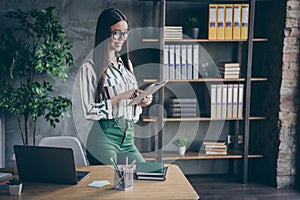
{"points": [[220, 21], [190, 67], [213, 101], [166, 63], [240, 104], [196, 61], [229, 100], [228, 21], [171, 62], [244, 25], [177, 62], [224, 100], [235, 101], [183, 62], [236, 31], [212, 27], [219, 101]]}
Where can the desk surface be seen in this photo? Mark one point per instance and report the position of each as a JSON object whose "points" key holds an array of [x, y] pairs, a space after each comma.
{"points": [[176, 186]]}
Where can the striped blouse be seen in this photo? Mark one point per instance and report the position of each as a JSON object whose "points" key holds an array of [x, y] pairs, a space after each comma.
{"points": [[116, 82]]}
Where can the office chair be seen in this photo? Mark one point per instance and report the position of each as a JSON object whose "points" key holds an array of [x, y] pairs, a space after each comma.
{"points": [[67, 142]]}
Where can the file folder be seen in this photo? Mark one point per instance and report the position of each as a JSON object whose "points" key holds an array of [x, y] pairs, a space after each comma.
{"points": [[212, 20], [228, 21], [245, 17], [236, 34], [221, 21]]}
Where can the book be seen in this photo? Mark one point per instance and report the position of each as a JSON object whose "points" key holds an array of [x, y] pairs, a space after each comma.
{"points": [[157, 174], [160, 177], [183, 100], [214, 143], [5, 175]]}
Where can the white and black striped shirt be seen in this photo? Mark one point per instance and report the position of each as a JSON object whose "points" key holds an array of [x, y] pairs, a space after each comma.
{"points": [[116, 82]]}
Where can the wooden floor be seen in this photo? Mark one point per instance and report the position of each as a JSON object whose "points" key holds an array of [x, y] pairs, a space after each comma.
{"points": [[222, 188]]}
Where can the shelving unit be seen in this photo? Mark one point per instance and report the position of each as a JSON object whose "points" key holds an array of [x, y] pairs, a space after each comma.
{"points": [[239, 155]]}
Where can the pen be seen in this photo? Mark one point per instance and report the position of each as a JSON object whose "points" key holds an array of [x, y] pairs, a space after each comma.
{"points": [[116, 167]]}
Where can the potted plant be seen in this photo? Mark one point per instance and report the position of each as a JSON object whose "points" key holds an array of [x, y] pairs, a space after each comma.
{"points": [[15, 186], [181, 143], [32, 52], [193, 27]]}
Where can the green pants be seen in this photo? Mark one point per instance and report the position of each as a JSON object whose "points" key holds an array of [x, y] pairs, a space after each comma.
{"points": [[112, 139]]}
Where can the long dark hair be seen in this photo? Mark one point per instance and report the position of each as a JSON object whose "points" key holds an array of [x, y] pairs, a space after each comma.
{"points": [[106, 20]]}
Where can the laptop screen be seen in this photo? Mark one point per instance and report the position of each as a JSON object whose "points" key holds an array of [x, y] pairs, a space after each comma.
{"points": [[46, 164]]}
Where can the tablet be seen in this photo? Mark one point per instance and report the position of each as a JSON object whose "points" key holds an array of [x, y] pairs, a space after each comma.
{"points": [[151, 89]]}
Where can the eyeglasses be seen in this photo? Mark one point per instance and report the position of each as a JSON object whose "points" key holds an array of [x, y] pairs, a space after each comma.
{"points": [[117, 35]]}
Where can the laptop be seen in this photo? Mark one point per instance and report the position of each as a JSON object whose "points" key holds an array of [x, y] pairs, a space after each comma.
{"points": [[47, 164]]}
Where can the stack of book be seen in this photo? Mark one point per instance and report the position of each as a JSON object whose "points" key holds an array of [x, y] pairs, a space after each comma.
{"points": [[182, 107], [215, 148], [229, 70], [5, 175], [151, 170], [173, 32]]}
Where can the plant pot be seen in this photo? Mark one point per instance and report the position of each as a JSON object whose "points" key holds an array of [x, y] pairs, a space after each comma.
{"points": [[193, 33], [15, 189], [181, 150]]}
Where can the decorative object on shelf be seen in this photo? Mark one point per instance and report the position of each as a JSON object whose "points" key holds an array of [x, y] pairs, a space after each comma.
{"points": [[181, 143], [15, 186], [32, 49], [193, 27]]}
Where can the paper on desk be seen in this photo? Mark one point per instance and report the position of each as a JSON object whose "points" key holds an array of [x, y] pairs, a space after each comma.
{"points": [[99, 184]]}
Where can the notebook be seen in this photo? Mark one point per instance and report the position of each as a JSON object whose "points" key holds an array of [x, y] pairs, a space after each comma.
{"points": [[47, 164]]}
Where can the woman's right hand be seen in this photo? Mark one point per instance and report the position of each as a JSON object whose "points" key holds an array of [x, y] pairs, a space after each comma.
{"points": [[130, 94]]}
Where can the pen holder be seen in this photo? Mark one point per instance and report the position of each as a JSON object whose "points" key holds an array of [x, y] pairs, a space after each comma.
{"points": [[123, 178]]}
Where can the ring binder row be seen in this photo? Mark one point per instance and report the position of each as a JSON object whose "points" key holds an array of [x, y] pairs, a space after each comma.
{"points": [[181, 62], [228, 21], [226, 101]]}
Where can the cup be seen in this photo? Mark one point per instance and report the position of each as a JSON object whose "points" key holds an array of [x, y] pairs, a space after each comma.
{"points": [[123, 178]]}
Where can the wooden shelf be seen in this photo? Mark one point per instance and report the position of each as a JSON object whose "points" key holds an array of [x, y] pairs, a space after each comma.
{"points": [[154, 119], [203, 40], [195, 156], [207, 80]]}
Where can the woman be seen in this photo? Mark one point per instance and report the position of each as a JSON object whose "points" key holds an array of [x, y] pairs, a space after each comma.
{"points": [[107, 84]]}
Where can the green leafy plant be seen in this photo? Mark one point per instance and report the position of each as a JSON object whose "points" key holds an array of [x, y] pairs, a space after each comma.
{"points": [[181, 142], [33, 50], [15, 181], [192, 22]]}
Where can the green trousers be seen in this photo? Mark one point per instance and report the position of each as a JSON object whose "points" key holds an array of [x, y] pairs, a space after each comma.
{"points": [[112, 139]]}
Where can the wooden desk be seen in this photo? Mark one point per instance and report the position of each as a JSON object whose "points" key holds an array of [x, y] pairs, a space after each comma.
{"points": [[175, 187]]}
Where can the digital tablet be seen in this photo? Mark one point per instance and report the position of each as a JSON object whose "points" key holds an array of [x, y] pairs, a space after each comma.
{"points": [[151, 89]]}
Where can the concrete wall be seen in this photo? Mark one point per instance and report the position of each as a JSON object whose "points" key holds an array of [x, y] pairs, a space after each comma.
{"points": [[79, 20]]}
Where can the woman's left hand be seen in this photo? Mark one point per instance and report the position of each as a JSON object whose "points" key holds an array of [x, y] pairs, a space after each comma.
{"points": [[146, 101]]}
